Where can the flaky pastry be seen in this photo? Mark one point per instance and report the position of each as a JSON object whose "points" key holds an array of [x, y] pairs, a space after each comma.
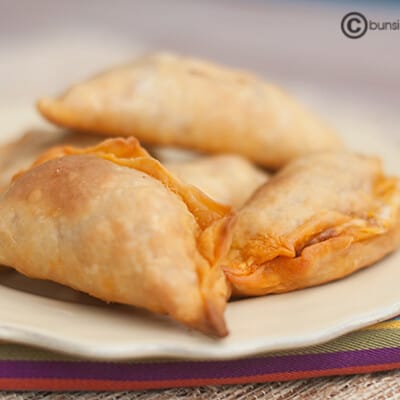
{"points": [[165, 99], [319, 219], [228, 179], [111, 221]]}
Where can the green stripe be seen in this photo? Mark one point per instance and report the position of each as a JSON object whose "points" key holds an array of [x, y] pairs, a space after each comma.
{"points": [[359, 340], [17, 352]]}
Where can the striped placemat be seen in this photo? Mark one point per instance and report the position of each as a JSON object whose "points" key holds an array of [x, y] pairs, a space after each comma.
{"points": [[376, 348]]}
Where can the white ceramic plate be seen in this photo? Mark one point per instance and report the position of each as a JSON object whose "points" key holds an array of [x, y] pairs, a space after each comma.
{"points": [[50, 316], [53, 317]]}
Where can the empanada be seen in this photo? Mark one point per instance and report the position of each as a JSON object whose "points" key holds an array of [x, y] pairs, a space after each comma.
{"points": [[112, 222], [22, 152], [167, 99], [228, 179], [321, 218]]}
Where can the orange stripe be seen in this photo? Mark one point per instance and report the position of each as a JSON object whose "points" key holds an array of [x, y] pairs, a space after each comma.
{"points": [[89, 384]]}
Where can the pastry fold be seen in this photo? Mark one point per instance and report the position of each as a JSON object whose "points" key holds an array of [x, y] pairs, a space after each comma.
{"points": [[165, 99], [319, 219], [112, 222]]}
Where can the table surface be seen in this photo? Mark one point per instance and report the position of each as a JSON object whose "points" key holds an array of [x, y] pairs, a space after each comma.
{"points": [[382, 386]]}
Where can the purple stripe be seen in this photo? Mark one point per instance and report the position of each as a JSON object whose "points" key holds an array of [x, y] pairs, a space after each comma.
{"points": [[195, 370]]}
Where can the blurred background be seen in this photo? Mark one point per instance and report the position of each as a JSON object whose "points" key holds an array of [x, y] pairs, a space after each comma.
{"points": [[355, 83]]}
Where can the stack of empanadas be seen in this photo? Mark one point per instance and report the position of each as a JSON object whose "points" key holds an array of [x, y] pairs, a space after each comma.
{"points": [[182, 237]]}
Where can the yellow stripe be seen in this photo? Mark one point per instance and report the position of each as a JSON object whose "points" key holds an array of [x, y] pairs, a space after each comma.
{"points": [[395, 324]]}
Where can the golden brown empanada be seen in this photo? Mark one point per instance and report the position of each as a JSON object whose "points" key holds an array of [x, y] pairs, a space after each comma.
{"points": [[22, 152], [321, 218], [228, 179], [112, 222], [167, 99]]}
